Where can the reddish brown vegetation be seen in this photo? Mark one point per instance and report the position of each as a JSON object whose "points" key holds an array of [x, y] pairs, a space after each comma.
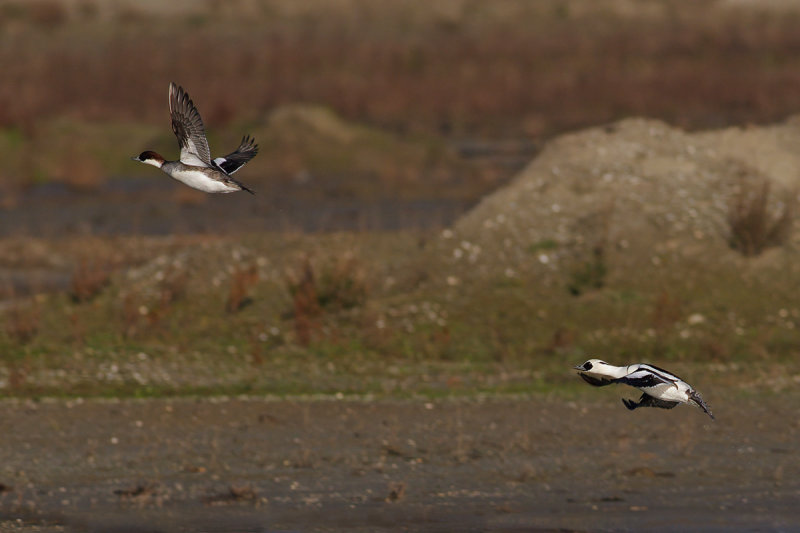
{"points": [[337, 285], [242, 281], [22, 322], [541, 74], [88, 279], [305, 303]]}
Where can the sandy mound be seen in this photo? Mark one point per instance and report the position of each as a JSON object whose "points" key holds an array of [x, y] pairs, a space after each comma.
{"points": [[312, 142], [635, 191], [313, 120]]}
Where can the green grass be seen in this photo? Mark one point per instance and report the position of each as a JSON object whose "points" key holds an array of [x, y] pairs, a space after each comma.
{"points": [[543, 245], [401, 337]]}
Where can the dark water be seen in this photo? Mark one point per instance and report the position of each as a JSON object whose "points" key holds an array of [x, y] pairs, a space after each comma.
{"points": [[147, 206]]}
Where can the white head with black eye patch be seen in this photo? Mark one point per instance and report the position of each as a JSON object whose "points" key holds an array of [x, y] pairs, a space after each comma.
{"points": [[592, 365]]}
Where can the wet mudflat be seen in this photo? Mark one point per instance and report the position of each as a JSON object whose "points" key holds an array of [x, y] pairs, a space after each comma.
{"points": [[498, 464]]}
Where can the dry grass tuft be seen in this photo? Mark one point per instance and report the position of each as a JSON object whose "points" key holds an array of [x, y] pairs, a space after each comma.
{"points": [[242, 282], [753, 226], [335, 285], [342, 284], [88, 280], [22, 322], [305, 302]]}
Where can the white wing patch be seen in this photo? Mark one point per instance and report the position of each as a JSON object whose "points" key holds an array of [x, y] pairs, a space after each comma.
{"points": [[235, 160], [189, 155]]}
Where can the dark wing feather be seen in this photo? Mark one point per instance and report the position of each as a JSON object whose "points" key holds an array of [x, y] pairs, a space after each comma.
{"points": [[630, 404], [235, 160], [648, 401], [661, 370], [188, 128], [596, 382], [643, 379]]}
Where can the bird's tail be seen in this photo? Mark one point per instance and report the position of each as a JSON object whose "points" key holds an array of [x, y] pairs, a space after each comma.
{"points": [[241, 185], [696, 399], [246, 189]]}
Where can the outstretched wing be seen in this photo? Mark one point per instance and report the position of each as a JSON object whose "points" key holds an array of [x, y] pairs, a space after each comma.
{"points": [[643, 379], [235, 160], [188, 128], [596, 382], [648, 401], [660, 371]]}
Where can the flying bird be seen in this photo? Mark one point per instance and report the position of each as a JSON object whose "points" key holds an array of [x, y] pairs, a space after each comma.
{"points": [[195, 167], [659, 387]]}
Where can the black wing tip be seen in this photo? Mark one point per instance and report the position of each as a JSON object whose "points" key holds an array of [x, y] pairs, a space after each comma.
{"points": [[248, 144], [630, 404]]}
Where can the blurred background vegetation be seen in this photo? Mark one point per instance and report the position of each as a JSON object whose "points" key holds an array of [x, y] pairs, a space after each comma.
{"points": [[361, 265]]}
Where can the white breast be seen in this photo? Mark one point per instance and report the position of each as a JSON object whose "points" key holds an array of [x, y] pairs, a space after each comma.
{"points": [[200, 181]]}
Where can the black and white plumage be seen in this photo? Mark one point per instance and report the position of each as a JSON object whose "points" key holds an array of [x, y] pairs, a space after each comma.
{"points": [[659, 387], [235, 160], [195, 167]]}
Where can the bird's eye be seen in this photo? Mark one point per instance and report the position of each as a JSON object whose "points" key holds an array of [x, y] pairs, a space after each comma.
{"points": [[587, 365]]}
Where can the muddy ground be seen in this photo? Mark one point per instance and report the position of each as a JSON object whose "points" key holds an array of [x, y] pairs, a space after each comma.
{"points": [[499, 464]]}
